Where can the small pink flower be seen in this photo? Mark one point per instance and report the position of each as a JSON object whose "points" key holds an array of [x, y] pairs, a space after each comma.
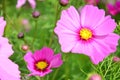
{"points": [[114, 9], [20, 3], [95, 77], [89, 33], [8, 69], [41, 62], [93, 2], [116, 59]]}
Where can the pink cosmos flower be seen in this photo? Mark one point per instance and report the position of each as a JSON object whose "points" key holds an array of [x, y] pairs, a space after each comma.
{"points": [[89, 33], [41, 62], [20, 3], [8, 69], [114, 9]]}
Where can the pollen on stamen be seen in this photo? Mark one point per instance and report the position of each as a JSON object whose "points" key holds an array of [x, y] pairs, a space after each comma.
{"points": [[85, 34], [41, 65]]}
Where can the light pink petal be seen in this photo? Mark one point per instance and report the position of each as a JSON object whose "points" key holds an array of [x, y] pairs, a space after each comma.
{"points": [[112, 9], [44, 54], [8, 69], [56, 61], [69, 20], [30, 61], [67, 40], [41, 74], [107, 26], [32, 3], [104, 47], [83, 48], [91, 16], [2, 25], [20, 3], [5, 47]]}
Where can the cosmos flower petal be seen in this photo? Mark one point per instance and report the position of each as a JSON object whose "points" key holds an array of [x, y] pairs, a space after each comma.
{"points": [[29, 59], [56, 61], [67, 40], [5, 47], [8, 69], [88, 20], [32, 3], [41, 74], [43, 54], [20, 3], [2, 25], [68, 21], [107, 26]]}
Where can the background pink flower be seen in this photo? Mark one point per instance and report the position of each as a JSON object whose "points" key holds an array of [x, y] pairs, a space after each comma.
{"points": [[93, 2], [8, 69], [41, 62], [20, 3], [114, 9], [90, 32]]}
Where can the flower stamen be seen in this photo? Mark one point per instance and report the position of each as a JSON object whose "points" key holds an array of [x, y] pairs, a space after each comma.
{"points": [[41, 65], [85, 33]]}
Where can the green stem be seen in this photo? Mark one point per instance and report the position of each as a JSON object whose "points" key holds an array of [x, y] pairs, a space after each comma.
{"points": [[4, 8], [56, 17], [35, 33], [4, 12]]}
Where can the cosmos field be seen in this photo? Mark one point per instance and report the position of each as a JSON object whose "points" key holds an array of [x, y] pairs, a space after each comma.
{"points": [[59, 39]]}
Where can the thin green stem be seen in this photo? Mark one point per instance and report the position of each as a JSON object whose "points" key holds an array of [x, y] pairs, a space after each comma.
{"points": [[56, 17], [4, 12], [35, 33], [54, 75], [4, 8]]}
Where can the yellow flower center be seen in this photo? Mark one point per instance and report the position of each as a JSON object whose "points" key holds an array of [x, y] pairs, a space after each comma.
{"points": [[85, 33], [41, 65]]}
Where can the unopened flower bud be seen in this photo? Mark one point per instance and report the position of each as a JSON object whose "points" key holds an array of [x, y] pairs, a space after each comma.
{"points": [[21, 35], [95, 77], [36, 14], [64, 2], [25, 47], [116, 59]]}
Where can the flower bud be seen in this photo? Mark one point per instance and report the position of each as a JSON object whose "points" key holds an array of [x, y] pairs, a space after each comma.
{"points": [[36, 14], [116, 59], [21, 35], [64, 2], [25, 47], [95, 77]]}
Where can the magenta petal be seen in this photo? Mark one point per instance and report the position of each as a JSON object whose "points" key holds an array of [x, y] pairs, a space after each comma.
{"points": [[44, 54], [112, 9], [118, 5], [2, 26], [32, 3], [20, 3], [56, 61], [30, 60], [107, 26], [41, 74], [8, 69], [91, 16]]}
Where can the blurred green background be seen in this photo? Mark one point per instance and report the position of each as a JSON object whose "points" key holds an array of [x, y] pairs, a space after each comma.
{"points": [[76, 66]]}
